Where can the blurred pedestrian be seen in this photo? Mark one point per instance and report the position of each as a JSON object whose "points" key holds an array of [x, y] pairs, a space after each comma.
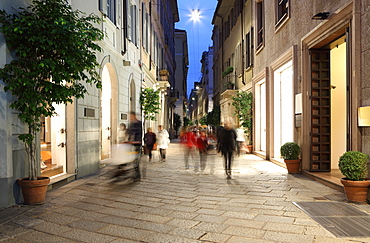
{"points": [[163, 140], [202, 144], [135, 135], [188, 141], [150, 140], [227, 143], [122, 133]]}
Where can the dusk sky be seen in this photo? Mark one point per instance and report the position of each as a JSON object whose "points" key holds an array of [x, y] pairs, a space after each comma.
{"points": [[199, 33]]}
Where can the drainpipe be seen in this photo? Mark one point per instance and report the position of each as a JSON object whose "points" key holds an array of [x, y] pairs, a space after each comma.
{"points": [[124, 29], [222, 33], [242, 33]]}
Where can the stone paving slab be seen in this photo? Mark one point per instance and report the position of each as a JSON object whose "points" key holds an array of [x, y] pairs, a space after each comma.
{"points": [[174, 205]]}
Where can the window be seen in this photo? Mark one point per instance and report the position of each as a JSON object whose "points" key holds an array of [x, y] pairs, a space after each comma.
{"points": [[248, 50], [260, 25], [108, 8], [129, 22], [111, 10], [282, 11]]}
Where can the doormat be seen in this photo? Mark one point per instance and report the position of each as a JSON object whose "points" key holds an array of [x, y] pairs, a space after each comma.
{"points": [[341, 219]]}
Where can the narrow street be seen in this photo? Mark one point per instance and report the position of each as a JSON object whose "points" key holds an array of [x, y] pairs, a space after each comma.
{"points": [[175, 205]]}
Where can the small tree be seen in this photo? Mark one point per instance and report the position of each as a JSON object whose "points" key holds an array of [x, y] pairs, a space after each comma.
{"points": [[186, 121], [243, 103], [213, 117], [55, 53], [149, 100], [177, 122]]}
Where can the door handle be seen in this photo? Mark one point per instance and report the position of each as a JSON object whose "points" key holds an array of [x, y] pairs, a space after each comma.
{"points": [[62, 145]]}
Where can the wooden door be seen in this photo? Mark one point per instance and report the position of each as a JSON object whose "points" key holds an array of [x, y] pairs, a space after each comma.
{"points": [[320, 111]]}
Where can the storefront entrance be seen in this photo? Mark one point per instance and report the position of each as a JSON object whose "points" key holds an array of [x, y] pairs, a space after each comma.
{"points": [[53, 143], [329, 105]]}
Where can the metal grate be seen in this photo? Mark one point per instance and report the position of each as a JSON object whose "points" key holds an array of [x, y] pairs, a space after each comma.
{"points": [[341, 219]]}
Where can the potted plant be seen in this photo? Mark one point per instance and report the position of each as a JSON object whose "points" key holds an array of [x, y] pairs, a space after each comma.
{"points": [[243, 104], [164, 74], [228, 70], [290, 152], [353, 165], [54, 49], [229, 85]]}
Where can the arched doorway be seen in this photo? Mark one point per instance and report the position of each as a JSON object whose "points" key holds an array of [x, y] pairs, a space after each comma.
{"points": [[106, 106], [132, 96]]}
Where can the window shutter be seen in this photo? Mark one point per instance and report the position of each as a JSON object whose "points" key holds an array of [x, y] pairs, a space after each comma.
{"points": [[103, 6], [129, 13]]}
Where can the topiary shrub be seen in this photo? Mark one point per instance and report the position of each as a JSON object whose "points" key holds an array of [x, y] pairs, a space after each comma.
{"points": [[290, 151], [353, 165]]}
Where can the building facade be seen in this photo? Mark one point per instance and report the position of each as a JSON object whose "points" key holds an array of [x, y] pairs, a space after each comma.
{"points": [[138, 43], [310, 72], [232, 42], [205, 88], [182, 64]]}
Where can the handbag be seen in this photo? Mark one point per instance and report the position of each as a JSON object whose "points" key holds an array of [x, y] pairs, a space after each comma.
{"points": [[155, 146]]}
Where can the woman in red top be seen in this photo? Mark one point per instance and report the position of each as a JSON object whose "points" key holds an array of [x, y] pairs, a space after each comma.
{"points": [[202, 143], [188, 141]]}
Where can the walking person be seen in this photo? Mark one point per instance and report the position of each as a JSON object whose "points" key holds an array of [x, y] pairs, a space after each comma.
{"points": [[188, 141], [122, 133], [135, 136], [227, 143], [202, 144], [149, 140], [163, 140]]}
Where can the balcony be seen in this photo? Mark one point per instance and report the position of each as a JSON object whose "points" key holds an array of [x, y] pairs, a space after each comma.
{"points": [[227, 83], [173, 95]]}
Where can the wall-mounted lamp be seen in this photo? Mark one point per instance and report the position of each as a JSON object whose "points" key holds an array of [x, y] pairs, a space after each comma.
{"points": [[321, 15]]}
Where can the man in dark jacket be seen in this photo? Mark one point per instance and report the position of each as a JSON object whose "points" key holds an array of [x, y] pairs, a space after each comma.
{"points": [[135, 135], [227, 144]]}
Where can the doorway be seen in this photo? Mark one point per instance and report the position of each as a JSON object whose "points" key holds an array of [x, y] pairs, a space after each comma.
{"points": [[329, 110], [283, 107], [53, 143], [106, 97]]}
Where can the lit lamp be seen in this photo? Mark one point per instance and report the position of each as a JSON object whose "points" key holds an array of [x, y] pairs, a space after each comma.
{"points": [[321, 16]]}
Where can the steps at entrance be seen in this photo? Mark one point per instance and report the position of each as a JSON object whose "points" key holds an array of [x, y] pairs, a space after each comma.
{"points": [[52, 170]]}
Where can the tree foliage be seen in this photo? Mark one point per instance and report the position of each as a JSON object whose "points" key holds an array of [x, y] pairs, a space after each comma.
{"points": [[149, 100], [243, 104], [55, 49], [177, 122]]}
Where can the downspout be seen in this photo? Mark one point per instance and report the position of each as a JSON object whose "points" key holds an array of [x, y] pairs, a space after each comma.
{"points": [[124, 27], [222, 52], [242, 33]]}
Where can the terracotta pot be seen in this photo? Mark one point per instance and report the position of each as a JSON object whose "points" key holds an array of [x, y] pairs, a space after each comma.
{"points": [[292, 165], [249, 149], [34, 191], [356, 191]]}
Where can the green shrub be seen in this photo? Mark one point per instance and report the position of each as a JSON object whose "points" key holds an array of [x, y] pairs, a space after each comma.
{"points": [[353, 165], [228, 70], [290, 151]]}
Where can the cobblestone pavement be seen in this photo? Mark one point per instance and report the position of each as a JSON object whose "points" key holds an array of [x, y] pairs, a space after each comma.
{"points": [[175, 205]]}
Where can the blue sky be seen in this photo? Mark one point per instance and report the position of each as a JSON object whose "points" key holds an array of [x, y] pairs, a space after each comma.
{"points": [[199, 33]]}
